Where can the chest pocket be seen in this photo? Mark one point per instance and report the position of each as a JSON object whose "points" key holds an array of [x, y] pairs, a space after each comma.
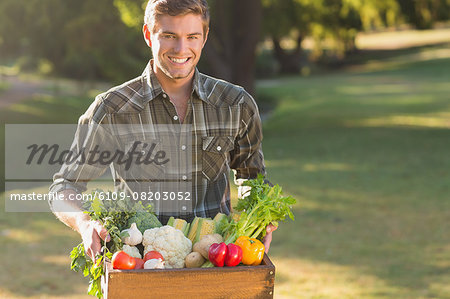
{"points": [[215, 155]]}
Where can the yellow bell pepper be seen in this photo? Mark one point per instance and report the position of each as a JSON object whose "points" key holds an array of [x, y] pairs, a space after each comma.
{"points": [[252, 250]]}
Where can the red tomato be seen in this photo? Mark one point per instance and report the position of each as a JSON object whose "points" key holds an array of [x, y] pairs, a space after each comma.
{"points": [[121, 260], [153, 255], [139, 263]]}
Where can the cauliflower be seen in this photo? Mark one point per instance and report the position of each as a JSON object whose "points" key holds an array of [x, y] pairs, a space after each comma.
{"points": [[170, 242], [132, 251]]}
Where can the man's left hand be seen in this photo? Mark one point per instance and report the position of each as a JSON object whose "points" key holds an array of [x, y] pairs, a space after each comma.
{"points": [[268, 238]]}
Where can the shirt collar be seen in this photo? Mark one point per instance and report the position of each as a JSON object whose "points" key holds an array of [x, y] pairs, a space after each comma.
{"points": [[152, 88]]}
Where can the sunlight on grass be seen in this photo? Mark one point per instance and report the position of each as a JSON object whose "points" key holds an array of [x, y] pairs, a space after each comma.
{"points": [[309, 167], [3, 86], [27, 109], [442, 121], [326, 167], [81, 290], [303, 278], [396, 40], [21, 236], [59, 260], [374, 89]]}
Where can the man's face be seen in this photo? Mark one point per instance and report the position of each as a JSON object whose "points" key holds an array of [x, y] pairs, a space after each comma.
{"points": [[177, 43]]}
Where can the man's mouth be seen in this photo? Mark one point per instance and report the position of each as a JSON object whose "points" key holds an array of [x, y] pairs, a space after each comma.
{"points": [[179, 60]]}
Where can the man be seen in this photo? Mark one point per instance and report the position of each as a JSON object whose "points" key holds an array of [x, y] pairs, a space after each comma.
{"points": [[224, 118]]}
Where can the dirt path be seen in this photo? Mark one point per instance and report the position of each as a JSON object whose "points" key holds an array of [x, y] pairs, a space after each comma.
{"points": [[19, 90]]}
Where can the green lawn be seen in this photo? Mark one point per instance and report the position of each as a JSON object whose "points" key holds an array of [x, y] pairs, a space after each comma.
{"points": [[367, 155], [364, 150], [3, 86]]}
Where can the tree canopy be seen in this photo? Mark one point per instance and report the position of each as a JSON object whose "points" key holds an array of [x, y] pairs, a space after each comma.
{"points": [[102, 39]]}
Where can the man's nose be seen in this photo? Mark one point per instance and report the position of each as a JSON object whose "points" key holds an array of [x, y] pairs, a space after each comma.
{"points": [[181, 45]]}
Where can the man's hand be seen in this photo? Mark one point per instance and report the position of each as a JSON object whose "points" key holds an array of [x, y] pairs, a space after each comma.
{"points": [[92, 232], [268, 238]]}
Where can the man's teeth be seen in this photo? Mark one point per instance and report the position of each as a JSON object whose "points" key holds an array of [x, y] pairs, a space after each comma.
{"points": [[179, 60]]}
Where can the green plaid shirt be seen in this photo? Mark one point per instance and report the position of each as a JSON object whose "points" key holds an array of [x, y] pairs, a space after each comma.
{"points": [[226, 134]]}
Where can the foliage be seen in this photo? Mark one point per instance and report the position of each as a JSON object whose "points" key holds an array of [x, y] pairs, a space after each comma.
{"points": [[102, 39], [424, 13], [114, 216], [326, 20], [92, 270], [80, 38]]}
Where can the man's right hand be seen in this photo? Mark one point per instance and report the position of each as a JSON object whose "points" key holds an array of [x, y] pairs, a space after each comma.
{"points": [[92, 233]]}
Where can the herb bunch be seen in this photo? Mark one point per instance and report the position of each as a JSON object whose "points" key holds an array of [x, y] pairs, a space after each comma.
{"points": [[113, 215]]}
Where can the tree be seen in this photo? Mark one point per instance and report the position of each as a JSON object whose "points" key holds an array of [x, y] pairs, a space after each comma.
{"points": [[234, 34], [424, 13], [337, 21]]}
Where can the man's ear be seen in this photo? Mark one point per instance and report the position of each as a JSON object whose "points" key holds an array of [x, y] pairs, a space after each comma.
{"points": [[146, 32], [206, 37]]}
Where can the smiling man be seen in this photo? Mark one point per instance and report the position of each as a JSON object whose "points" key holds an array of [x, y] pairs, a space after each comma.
{"points": [[224, 119]]}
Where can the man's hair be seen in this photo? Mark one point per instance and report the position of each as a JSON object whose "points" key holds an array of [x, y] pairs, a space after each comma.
{"points": [[157, 8]]}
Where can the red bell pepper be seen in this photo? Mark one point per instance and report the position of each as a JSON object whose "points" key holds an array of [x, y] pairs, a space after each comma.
{"points": [[217, 253], [221, 254], [234, 255]]}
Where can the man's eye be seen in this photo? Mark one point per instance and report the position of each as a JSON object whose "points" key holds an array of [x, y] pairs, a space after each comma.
{"points": [[193, 37], [168, 36]]}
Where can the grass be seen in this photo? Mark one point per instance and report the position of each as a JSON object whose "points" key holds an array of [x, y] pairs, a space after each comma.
{"points": [[365, 152], [35, 246], [3, 86]]}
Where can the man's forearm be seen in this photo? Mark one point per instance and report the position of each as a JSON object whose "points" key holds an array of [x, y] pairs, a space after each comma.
{"points": [[69, 213]]}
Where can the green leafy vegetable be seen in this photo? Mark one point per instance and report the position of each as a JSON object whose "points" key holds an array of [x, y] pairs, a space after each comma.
{"points": [[262, 206], [114, 215]]}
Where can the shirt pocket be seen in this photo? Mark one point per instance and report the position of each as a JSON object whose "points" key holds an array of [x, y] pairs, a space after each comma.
{"points": [[215, 155], [143, 166]]}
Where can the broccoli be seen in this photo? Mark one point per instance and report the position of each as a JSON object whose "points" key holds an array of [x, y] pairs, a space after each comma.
{"points": [[144, 221]]}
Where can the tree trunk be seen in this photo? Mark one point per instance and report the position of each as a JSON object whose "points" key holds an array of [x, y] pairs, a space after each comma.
{"points": [[290, 62], [234, 34]]}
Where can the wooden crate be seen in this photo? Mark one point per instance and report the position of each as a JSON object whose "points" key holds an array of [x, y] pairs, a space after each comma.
{"points": [[226, 282]]}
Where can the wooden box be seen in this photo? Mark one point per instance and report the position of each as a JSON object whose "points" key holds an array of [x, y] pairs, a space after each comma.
{"points": [[226, 282]]}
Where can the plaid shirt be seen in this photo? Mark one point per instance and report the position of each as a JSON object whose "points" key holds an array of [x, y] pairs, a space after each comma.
{"points": [[226, 134]]}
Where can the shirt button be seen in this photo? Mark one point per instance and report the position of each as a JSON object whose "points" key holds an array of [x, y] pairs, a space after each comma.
{"points": [[164, 95], [219, 148], [184, 177], [183, 147], [175, 117]]}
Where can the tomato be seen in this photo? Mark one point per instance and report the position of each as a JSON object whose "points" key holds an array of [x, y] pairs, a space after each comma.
{"points": [[121, 260], [139, 263], [153, 255]]}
